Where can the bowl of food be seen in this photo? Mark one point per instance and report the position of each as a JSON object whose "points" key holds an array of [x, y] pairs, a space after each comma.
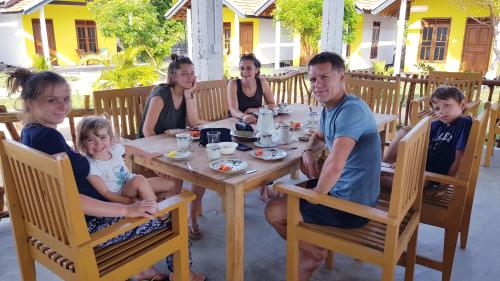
{"points": [[228, 147], [295, 125]]}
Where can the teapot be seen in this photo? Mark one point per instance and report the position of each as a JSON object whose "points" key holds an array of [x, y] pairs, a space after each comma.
{"points": [[265, 121]]}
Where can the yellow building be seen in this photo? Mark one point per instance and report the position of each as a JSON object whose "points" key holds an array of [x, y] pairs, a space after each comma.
{"points": [[248, 27], [70, 32], [443, 34]]}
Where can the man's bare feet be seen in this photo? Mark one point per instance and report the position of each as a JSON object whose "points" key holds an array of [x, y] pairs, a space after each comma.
{"points": [[194, 276], [308, 265], [151, 274]]}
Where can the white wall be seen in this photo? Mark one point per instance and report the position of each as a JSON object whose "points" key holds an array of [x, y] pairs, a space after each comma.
{"points": [[386, 42], [266, 44], [12, 38]]}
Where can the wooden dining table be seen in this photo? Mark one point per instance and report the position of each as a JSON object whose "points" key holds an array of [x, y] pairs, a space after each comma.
{"points": [[197, 171]]}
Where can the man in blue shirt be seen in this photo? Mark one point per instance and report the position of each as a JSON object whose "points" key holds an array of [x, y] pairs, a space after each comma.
{"points": [[352, 169]]}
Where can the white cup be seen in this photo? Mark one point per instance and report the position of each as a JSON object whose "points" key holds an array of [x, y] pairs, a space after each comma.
{"points": [[283, 107], [183, 140], [213, 150], [266, 139]]}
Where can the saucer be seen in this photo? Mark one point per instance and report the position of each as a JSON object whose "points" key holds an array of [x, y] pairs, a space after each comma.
{"points": [[233, 165], [258, 144], [269, 154], [178, 154]]}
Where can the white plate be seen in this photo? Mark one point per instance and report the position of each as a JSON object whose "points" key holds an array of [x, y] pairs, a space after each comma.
{"points": [[173, 132], [288, 111], [179, 154], [257, 143], [256, 113], [243, 134], [235, 164], [270, 154]]}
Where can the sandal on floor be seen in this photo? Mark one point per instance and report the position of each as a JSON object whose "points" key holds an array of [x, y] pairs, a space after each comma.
{"points": [[194, 232]]}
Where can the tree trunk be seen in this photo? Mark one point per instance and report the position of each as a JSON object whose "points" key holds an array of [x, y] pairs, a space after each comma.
{"points": [[492, 70]]}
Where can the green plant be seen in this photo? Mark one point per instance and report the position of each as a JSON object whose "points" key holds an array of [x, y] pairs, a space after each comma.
{"points": [[40, 63], [101, 58], [380, 68], [126, 73], [425, 68]]}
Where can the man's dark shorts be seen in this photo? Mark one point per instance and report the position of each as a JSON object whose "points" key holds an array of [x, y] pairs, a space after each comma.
{"points": [[322, 215]]}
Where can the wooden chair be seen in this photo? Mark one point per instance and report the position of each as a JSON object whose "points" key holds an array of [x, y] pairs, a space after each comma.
{"points": [[393, 224], [452, 211], [211, 100], [381, 97], [494, 130], [469, 83], [49, 225], [124, 108]]}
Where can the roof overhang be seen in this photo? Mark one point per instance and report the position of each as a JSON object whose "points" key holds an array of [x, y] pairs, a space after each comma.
{"points": [[26, 9], [380, 7], [177, 10], [263, 7]]}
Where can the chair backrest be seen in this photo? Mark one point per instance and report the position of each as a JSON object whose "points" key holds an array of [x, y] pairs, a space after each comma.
{"points": [[124, 108], [43, 198], [408, 180], [211, 100], [291, 88], [381, 96], [10, 123], [469, 165], [471, 161], [468, 82]]}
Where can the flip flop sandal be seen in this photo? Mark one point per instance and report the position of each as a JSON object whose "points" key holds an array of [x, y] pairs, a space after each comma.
{"points": [[157, 277], [194, 232]]}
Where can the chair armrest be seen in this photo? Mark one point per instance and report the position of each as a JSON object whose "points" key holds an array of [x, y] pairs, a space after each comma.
{"points": [[472, 104], [127, 224], [429, 176], [419, 100], [336, 203]]}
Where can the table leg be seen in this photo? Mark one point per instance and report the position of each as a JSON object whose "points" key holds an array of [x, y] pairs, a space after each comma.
{"points": [[295, 172], [235, 246]]}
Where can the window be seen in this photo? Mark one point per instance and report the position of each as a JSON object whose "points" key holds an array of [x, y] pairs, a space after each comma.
{"points": [[86, 36], [375, 36], [227, 37], [434, 40]]}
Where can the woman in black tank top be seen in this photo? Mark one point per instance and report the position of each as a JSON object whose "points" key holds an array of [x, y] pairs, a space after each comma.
{"points": [[245, 95]]}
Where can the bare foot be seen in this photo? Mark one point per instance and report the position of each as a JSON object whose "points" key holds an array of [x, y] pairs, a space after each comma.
{"points": [[267, 194], [150, 274], [193, 276], [308, 265]]}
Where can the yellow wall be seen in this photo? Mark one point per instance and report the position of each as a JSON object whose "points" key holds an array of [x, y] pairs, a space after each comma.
{"points": [[439, 9], [228, 16], [356, 45], [63, 18]]}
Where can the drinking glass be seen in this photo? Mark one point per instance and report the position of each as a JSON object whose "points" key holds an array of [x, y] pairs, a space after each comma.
{"points": [[313, 120], [183, 140], [213, 137]]}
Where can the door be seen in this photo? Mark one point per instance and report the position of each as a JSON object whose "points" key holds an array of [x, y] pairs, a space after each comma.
{"points": [[477, 46], [37, 35], [246, 37]]}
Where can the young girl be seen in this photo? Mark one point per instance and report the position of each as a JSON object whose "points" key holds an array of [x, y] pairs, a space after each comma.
{"points": [[108, 173]]}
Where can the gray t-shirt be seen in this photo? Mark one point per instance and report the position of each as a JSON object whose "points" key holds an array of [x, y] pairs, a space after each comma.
{"points": [[170, 118], [360, 180]]}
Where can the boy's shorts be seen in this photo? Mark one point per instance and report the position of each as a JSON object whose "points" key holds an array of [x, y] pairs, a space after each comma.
{"points": [[323, 215]]}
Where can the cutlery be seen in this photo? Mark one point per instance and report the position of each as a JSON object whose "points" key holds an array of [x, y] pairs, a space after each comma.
{"points": [[189, 166], [237, 174], [290, 148]]}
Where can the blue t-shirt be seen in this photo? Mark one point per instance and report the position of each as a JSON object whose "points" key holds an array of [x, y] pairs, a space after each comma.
{"points": [[444, 140], [360, 180], [50, 141]]}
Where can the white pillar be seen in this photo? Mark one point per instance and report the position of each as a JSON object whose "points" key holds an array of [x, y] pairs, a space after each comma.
{"points": [[235, 41], [277, 45], [207, 39], [45, 38], [189, 34], [399, 37], [332, 25]]}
